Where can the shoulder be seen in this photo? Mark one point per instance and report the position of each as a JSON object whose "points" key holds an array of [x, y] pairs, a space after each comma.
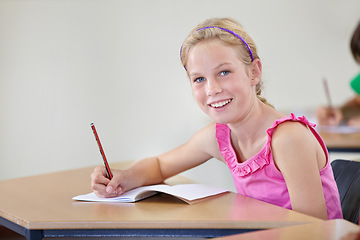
{"points": [[294, 146], [291, 132], [291, 140], [208, 130]]}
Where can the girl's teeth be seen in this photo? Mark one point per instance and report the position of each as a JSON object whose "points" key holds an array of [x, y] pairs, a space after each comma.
{"points": [[220, 104]]}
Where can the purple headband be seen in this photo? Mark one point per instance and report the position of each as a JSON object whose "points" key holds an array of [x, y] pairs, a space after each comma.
{"points": [[229, 31]]}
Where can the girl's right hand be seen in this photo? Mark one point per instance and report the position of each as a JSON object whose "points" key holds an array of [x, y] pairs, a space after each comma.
{"points": [[104, 187]]}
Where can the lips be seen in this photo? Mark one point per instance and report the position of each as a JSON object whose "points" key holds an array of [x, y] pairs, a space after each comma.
{"points": [[220, 103]]}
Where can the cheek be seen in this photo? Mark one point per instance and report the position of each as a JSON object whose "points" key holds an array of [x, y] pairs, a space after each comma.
{"points": [[198, 92], [199, 97]]}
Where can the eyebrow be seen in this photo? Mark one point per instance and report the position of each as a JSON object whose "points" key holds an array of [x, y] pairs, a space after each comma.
{"points": [[217, 67], [223, 64]]}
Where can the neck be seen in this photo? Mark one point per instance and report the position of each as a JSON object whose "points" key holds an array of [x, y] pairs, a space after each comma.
{"points": [[254, 124], [248, 126]]}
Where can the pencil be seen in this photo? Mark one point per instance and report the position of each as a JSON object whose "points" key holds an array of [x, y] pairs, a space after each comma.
{"points": [[327, 93], [107, 167]]}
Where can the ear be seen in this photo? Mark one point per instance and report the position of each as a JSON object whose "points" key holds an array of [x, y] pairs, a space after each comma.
{"points": [[256, 72]]}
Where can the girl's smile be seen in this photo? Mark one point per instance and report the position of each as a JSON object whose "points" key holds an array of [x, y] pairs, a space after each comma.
{"points": [[220, 103]]}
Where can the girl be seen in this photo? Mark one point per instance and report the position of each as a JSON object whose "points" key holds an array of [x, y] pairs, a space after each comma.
{"points": [[272, 157]]}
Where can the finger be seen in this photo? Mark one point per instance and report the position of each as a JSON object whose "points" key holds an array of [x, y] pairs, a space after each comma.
{"points": [[114, 187], [115, 192], [100, 170], [104, 194], [102, 190], [117, 183], [103, 186], [98, 178]]}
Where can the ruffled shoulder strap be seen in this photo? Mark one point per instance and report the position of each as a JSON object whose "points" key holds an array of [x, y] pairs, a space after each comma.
{"points": [[310, 125], [292, 117]]}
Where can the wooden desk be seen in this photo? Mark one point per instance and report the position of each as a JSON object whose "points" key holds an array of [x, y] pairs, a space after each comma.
{"points": [[41, 206], [326, 230], [341, 142]]}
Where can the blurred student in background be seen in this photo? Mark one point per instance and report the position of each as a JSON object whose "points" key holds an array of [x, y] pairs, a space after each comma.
{"points": [[349, 113]]}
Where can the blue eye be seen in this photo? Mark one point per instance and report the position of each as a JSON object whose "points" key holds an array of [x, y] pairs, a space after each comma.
{"points": [[200, 79], [224, 73]]}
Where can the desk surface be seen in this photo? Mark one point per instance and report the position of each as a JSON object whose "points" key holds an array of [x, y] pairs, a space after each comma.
{"points": [[344, 142], [326, 230], [44, 202]]}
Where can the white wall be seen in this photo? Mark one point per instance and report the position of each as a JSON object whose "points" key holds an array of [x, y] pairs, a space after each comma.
{"points": [[66, 63]]}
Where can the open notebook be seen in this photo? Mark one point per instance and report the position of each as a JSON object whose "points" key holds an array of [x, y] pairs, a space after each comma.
{"points": [[189, 193]]}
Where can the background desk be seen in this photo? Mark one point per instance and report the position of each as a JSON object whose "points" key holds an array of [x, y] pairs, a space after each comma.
{"points": [[326, 230], [41, 206], [342, 142]]}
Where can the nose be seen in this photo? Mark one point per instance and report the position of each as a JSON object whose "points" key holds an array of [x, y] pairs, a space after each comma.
{"points": [[213, 87]]}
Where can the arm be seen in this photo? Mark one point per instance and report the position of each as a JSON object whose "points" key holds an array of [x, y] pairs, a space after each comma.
{"points": [[200, 148], [299, 157]]}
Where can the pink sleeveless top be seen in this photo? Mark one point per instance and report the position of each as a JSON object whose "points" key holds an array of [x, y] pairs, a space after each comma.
{"points": [[259, 178]]}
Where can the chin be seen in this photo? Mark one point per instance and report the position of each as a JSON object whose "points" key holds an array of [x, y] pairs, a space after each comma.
{"points": [[219, 117], [221, 120]]}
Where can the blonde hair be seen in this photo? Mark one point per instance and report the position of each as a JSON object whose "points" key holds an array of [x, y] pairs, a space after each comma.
{"points": [[231, 33]]}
